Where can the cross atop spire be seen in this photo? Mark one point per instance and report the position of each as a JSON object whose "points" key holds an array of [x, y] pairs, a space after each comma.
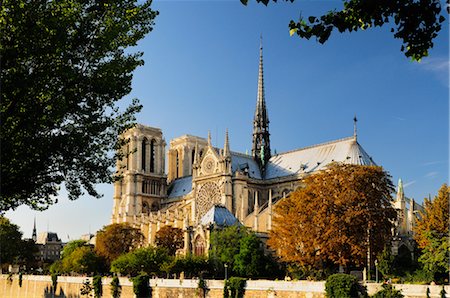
{"points": [[261, 135], [354, 127]]}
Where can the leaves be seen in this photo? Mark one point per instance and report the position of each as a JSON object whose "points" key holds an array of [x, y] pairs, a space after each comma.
{"points": [[334, 218], [170, 238], [64, 67], [117, 239], [416, 22]]}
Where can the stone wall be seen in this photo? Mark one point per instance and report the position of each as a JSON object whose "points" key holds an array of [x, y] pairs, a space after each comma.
{"points": [[40, 286]]}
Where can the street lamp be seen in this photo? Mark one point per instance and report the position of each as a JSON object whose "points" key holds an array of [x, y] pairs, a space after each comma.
{"points": [[226, 272], [376, 270]]}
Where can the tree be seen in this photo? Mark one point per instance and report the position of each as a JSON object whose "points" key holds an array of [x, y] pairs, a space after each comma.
{"points": [[117, 239], [431, 233], [225, 244], [169, 238], [71, 246], [64, 67], [82, 260], [14, 250], [148, 260], [339, 215], [251, 261], [416, 23]]}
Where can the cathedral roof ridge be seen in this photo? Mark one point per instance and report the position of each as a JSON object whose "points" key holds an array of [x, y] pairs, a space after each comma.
{"points": [[318, 145]]}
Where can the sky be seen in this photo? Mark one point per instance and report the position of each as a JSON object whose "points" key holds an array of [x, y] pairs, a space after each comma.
{"points": [[200, 74]]}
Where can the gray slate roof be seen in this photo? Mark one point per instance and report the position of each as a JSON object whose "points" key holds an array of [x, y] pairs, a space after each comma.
{"points": [[316, 158], [241, 161], [180, 187], [218, 215]]}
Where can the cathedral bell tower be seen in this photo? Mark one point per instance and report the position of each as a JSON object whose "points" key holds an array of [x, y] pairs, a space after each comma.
{"points": [[261, 136]]}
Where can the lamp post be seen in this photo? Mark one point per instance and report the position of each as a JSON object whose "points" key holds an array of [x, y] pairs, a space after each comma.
{"points": [[226, 271], [376, 270]]}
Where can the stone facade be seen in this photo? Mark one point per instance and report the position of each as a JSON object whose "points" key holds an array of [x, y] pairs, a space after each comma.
{"points": [[201, 176]]}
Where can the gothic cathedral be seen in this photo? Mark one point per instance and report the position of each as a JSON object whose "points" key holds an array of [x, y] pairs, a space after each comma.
{"points": [[208, 187]]}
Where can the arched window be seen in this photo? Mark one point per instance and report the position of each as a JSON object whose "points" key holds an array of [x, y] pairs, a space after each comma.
{"points": [[152, 156], [199, 246], [144, 153]]}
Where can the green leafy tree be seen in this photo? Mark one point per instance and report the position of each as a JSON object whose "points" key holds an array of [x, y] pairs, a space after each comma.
{"points": [[169, 238], [386, 262], [250, 261], [431, 234], [192, 266], [14, 250], [82, 260], [71, 246], [225, 244], [117, 239], [65, 65], [148, 260], [335, 218], [416, 23]]}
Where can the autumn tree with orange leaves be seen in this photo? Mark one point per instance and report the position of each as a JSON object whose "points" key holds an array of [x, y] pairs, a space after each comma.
{"points": [[170, 238], [432, 234], [337, 217]]}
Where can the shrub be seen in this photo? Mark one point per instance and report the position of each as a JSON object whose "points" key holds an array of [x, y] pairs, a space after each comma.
{"points": [[388, 291], [343, 286], [20, 279], [202, 287], [116, 288], [234, 287], [98, 288], [141, 287]]}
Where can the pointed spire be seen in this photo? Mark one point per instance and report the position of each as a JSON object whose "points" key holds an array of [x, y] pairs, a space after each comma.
{"points": [[400, 193], [226, 146], [261, 120], [196, 156], [355, 120], [209, 138], [34, 236]]}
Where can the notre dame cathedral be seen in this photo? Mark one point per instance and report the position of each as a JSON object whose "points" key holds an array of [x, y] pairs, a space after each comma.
{"points": [[207, 186]]}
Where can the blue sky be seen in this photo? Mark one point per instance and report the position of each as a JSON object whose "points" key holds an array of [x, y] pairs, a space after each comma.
{"points": [[200, 74]]}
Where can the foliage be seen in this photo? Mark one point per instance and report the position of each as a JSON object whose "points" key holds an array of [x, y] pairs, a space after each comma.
{"points": [[443, 292], [141, 286], [250, 261], [86, 288], [386, 261], [234, 287], [419, 276], [169, 238], [148, 260], [98, 287], [225, 244], [388, 291], [202, 287], [54, 277], [416, 23], [431, 233], [64, 67], [335, 217], [435, 218], [10, 278], [14, 250], [428, 292], [192, 266], [117, 239], [81, 259], [343, 286], [71, 246], [115, 286], [20, 279]]}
